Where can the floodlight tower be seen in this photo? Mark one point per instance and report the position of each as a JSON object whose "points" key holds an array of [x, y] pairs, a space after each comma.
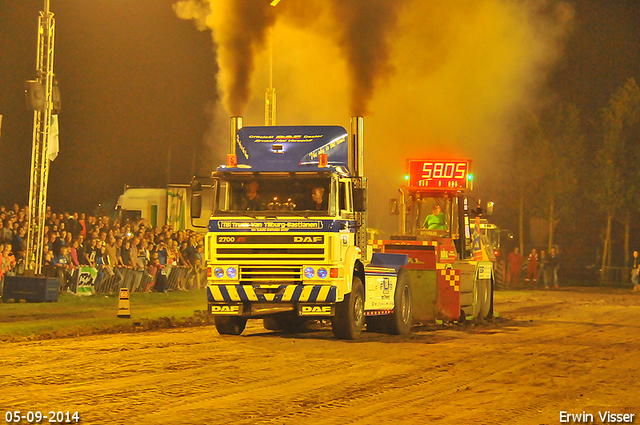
{"points": [[41, 130]]}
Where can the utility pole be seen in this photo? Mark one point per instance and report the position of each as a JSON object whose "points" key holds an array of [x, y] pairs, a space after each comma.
{"points": [[41, 130]]}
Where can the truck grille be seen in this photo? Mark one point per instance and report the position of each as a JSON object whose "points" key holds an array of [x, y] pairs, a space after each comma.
{"points": [[270, 274]]}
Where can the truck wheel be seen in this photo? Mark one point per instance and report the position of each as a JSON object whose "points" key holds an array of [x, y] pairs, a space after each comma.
{"points": [[349, 318], [400, 320], [230, 325]]}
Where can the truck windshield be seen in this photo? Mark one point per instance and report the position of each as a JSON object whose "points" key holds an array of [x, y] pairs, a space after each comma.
{"points": [[297, 194]]}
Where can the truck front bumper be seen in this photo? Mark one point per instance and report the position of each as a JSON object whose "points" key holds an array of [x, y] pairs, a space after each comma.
{"points": [[263, 300], [272, 293]]}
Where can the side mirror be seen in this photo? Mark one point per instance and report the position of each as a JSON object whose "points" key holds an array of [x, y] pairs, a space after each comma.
{"points": [[490, 208], [393, 207], [359, 197], [196, 199]]}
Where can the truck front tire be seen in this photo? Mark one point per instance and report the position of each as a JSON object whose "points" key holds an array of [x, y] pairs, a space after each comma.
{"points": [[230, 325], [349, 318]]}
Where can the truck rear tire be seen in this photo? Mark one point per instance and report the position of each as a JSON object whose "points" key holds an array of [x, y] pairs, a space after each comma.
{"points": [[349, 318], [230, 325], [400, 320]]}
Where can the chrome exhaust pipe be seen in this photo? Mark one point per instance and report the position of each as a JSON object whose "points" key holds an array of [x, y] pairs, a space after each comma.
{"points": [[235, 125], [356, 155]]}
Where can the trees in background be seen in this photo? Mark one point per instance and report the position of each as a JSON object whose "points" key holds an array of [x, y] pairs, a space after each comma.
{"points": [[617, 186], [552, 167]]}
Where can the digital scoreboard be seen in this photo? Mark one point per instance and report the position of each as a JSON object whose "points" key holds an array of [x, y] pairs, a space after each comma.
{"points": [[439, 174]]}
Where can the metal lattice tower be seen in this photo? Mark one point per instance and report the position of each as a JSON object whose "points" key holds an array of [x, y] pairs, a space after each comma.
{"points": [[41, 129]]}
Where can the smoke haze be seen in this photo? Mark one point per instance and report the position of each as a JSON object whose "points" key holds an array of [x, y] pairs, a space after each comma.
{"points": [[434, 79], [238, 28]]}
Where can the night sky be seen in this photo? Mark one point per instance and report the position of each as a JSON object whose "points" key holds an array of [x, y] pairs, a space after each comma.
{"points": [[138, 82]]}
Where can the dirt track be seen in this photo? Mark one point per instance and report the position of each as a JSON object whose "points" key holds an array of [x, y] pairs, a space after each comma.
{"points": [[554, 351]]}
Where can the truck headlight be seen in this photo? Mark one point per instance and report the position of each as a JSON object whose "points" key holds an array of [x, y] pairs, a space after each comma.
{"points": [[231, 272], [322, 273], [309, 273], [218, 272]]}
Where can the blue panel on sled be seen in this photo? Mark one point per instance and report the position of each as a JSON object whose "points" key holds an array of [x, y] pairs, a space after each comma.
{"points": [[290, 148], [394, 261]]}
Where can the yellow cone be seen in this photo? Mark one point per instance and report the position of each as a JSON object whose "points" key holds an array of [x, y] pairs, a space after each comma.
{"points": [[124, 308]]}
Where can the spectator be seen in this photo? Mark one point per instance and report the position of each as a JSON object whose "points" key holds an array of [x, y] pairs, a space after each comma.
{"points": [[81, 251], [543, 269], [133, 252], [554, 265], [62, 268], [143, 254], [161, 251], [48, 268], [7, 233], [514, 262], [92, 252], [111, 250], [532, 268], [56, 243], [8, 260], [119, 262], [635, 278], [127, 261], [83, 225], [19, 245], [73, 253]]}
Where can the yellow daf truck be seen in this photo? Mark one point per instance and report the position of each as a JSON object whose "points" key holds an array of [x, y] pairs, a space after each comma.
{"points": [[287, 235]]}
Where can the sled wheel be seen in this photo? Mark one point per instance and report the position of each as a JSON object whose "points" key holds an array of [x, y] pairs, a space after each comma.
{"points": [[400, 320]]}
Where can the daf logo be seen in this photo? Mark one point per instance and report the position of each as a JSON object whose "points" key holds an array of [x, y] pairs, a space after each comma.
{"points": [[303, 239], [316, 309], [224, 308]]}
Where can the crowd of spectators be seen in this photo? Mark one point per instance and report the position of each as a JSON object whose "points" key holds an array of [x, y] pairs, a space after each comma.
{"points": [[74, 240]]}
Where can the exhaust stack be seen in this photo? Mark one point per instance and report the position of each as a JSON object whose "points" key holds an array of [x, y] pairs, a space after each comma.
{"points": [[356, 166], [356, 153], [235, 125]]}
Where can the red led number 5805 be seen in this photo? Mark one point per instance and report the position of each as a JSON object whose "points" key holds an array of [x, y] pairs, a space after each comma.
{"points": [[444, 170]]}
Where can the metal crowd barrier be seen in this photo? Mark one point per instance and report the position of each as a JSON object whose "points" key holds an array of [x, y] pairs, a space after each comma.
{"points": [[178, 278]]}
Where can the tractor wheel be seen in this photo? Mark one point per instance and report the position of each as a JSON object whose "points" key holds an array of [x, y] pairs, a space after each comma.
{"points": [[485, 309]]}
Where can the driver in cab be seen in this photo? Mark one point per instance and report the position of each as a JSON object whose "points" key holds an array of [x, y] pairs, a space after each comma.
{"points": [[252, 200], [436, 220]]}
